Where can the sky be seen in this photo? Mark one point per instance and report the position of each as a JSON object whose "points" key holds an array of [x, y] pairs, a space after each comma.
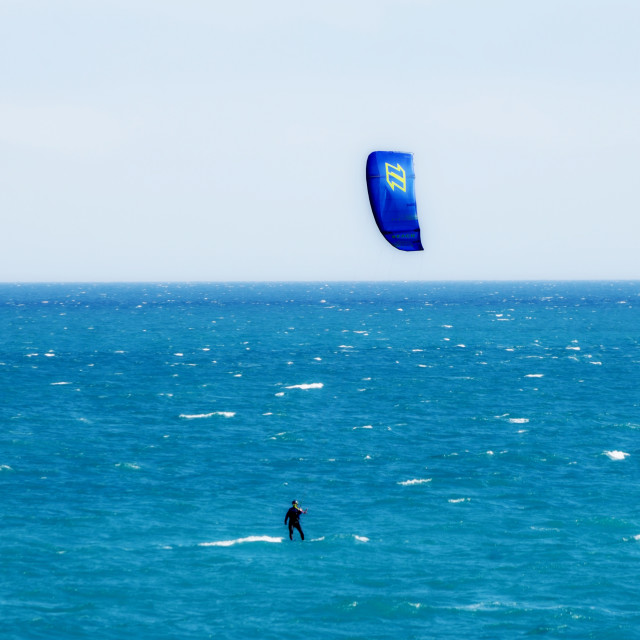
{"points": [[157, 140]]}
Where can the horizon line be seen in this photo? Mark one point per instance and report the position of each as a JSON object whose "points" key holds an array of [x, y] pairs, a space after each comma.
{"points": [[317, 281]]}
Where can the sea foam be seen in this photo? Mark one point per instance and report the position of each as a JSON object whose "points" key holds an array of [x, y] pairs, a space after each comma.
{"points": [[615, 455], [230, 543], [193, 416], [313, 385]]}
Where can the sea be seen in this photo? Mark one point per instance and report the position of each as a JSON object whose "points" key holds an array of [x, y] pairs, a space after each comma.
{"points": [[467, 454]]}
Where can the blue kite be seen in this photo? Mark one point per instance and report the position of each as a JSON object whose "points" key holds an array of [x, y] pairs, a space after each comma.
{"points": [[390, 182]]}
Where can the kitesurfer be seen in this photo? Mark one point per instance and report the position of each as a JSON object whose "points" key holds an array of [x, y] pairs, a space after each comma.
{"points": [[293, 517]]}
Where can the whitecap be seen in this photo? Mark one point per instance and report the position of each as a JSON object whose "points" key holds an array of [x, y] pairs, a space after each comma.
{"points": [[615, 455], [280, 394], [313, 385], [226, 414], [361, 538], [55, 384], [5, 467], [366, 426], [534, 375], [455, 500], [518, 420], [229, 543], [128, 465], [406, 483]]}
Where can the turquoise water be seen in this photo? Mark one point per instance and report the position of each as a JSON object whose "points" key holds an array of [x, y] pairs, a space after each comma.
{"points": [[467, 453]]}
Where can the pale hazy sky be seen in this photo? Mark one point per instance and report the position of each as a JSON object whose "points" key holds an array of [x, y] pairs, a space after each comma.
{"points": [[209, 140]]}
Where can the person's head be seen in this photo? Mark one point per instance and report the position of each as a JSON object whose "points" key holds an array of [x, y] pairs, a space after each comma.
{"points": [[295, 503]]}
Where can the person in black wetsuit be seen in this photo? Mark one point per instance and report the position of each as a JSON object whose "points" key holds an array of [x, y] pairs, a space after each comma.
{"points": [[293, 517]]}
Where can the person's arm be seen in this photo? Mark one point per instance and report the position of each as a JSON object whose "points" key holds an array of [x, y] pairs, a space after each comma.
{"points": [[286, 518]]}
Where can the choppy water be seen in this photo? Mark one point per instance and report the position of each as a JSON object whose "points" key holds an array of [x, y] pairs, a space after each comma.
{"points": [[467, 453]]}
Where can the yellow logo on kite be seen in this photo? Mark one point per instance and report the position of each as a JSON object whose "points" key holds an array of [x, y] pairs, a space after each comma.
{"points": [[396, 176]]}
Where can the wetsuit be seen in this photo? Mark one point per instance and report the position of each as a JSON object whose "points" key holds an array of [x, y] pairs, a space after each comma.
{"points": [[293, 516]]}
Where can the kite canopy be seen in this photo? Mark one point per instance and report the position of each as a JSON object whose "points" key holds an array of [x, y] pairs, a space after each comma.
{"points": [[390, 182]]}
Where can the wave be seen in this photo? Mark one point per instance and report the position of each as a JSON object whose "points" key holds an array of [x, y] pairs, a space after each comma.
{"points": [[313, 385], [193, 416], [230, 543], [615, 455], [406, 483], [276, 540]]}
